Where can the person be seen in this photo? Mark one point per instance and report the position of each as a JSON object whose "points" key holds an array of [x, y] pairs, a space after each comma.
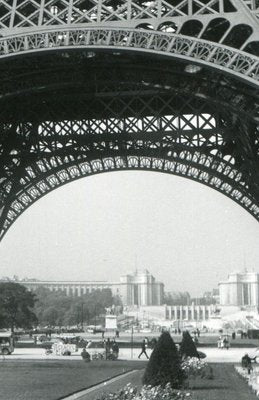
{"points": [[143, 349], [246, 362], [226, 343], [115, 349], [107, 345], [85, 355]]}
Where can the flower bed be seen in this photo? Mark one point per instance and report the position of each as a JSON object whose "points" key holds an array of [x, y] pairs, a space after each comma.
{"points": [[252, 379], [148, 393], [194, 367]]}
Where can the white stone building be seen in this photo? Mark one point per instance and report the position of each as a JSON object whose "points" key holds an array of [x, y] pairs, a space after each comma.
{"points": [[138, 289], [241, 289]]}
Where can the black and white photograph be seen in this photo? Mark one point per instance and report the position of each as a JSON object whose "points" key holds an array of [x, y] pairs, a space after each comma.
{"points": [[129, 199]]}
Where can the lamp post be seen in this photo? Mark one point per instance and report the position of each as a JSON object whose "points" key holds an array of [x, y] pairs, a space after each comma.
{"points": [[82, 316], [95, 316], [132, 330]]}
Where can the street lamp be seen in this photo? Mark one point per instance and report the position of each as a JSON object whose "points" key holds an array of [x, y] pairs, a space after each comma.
{"points": [[132, 330], [82, 316]]}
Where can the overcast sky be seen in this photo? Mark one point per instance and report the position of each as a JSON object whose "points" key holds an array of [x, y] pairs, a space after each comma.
{"points": [[98, 228]]}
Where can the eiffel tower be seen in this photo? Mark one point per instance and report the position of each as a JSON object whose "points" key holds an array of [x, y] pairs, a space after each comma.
{"points": [[90, 86]]}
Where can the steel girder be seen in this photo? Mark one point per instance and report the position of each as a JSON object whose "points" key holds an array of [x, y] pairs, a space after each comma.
{"points": [[89, 86], [37, 13], [117, 112], [197, 51]]}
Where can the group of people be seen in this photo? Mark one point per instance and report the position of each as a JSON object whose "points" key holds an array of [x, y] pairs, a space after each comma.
{"points": [[243, 335], [223, 343], [111, 350]]}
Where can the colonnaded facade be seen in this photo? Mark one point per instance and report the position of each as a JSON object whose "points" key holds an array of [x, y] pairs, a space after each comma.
{"points": [[138, 289], [241, 289], [191, 312]]}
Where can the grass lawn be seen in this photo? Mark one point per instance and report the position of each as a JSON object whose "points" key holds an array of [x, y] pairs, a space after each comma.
{"points": [[52, 380], [226, 385]]}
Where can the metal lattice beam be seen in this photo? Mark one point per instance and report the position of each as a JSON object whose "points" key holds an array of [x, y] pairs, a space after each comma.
{"points": [[131, 123], [89, 86], [203, 53]]}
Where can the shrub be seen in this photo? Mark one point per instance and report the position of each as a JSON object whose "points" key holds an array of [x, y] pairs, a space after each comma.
{"points": [[188, 347], [164, 365]]}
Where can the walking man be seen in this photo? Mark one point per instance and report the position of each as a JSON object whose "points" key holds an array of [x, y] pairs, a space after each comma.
{"points": [[143, 349]]}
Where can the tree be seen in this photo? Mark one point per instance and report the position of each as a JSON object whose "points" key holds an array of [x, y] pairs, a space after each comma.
{"points": [[50, 316], [71, 310], [164, 364], [177, 298], [16, 304], [51, 307], [188, 347]]}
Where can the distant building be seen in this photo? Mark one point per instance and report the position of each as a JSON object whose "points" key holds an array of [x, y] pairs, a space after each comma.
{"points": [[190, 312], [141, 289], [211, 297], [138, 289], [241, 289], [180, 314]]}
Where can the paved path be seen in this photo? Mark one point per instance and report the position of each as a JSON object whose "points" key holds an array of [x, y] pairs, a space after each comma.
{"points": [[232, 355]]}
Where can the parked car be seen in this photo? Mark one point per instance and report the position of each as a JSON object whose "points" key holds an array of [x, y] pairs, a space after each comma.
{"points": [[6, 343], [42, 338]]}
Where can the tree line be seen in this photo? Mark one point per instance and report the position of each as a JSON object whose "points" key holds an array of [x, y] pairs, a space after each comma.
{"points": [[20, 308]]}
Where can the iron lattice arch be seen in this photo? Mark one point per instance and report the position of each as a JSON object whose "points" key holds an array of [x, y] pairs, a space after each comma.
{"points": [[92, 86]]}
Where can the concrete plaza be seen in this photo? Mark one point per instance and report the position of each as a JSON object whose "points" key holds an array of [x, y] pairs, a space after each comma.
{"points": [[214, 355]]}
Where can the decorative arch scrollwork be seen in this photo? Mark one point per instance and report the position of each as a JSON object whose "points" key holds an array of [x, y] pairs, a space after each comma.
{"points": [[186, 164]]}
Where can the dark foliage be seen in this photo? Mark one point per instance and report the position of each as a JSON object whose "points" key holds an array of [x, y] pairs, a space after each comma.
{"points": [[164, 364], [188, 347], [177, 298], [58, 309], [16, 304]]}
